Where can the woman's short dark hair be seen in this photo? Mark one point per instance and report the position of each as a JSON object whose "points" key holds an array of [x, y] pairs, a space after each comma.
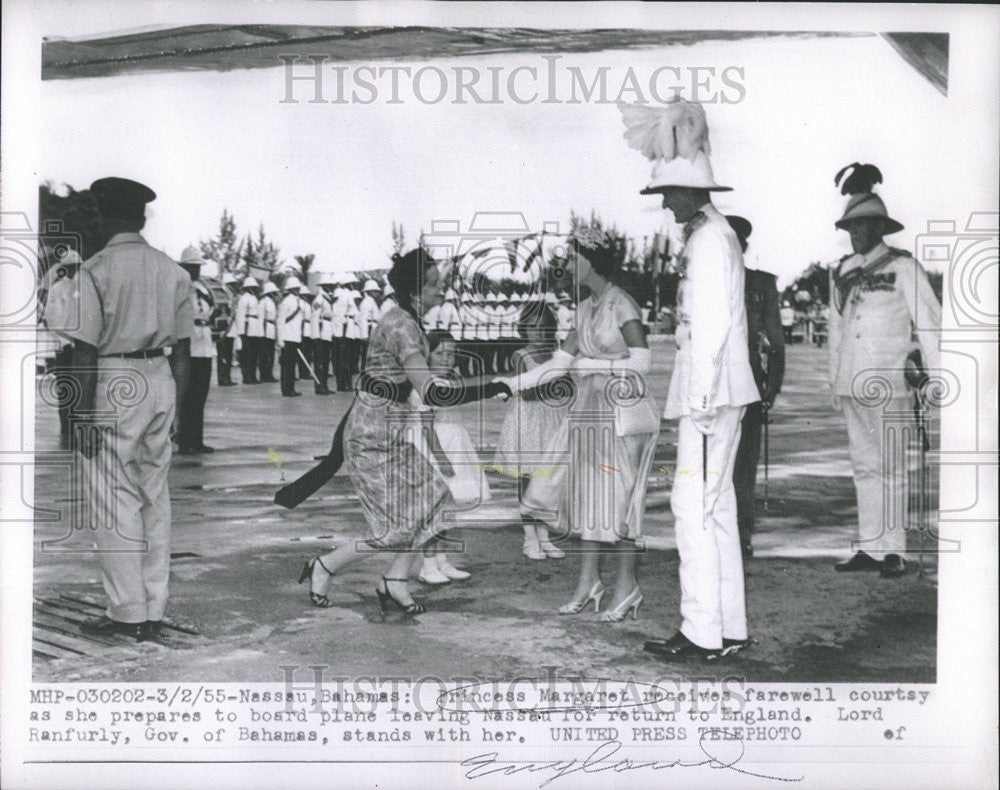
{"points": [[537, 315], [407, 276], [438, 336]]}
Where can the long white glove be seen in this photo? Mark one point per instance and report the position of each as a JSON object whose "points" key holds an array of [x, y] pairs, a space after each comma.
{"points": [[639, 361], [560, 363]]}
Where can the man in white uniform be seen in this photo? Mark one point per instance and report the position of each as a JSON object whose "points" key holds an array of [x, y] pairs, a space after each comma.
{"points": [[224, 325], [367, 317], [135, 305], [388, 300], [269, 296], [291, 318], [328, 283], [352, 331], [884, 312], [248, 325], [306, 346], [191, 410], [62, 312], [711, 383], [320, 317]]}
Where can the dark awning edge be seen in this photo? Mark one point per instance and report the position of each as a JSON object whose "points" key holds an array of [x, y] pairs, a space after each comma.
{"points": [[229, 47]]}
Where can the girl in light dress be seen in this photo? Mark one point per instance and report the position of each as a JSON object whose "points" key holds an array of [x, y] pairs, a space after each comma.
{"points": [[450, 450], [525, 448]]}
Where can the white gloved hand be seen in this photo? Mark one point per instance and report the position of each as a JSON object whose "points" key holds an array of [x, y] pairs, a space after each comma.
{"points": [[704, 421]]}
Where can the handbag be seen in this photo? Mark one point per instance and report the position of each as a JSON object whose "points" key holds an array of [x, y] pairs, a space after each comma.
{"points": [[636, 415]]}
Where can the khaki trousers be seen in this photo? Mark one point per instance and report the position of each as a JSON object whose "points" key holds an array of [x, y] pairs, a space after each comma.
{"points": [[127, 486]]}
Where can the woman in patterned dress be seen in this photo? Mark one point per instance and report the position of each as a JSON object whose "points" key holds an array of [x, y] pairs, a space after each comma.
{"points": [[401, 493], [610, 431]]}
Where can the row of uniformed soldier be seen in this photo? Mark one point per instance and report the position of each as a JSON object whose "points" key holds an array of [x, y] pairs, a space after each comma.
{"points": [[327, 326], [485, 328]]}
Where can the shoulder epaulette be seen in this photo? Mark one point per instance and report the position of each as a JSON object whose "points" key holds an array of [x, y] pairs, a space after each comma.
{"points": [[903, 253]]}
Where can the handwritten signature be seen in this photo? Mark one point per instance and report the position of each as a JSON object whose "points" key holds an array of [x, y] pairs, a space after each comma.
{"points": [[603, 759]]}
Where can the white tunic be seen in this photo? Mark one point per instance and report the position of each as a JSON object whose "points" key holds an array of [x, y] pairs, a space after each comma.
{"points": [[290, 319]]}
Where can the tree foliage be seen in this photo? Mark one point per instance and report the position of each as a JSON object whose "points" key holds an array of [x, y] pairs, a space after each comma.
{"points": [[61, 218], [224, 248], [398, 238], [261, 253]]}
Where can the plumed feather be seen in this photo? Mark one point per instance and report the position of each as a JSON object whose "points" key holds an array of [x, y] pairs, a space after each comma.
{"points": [[679, 129], [860, 181]]}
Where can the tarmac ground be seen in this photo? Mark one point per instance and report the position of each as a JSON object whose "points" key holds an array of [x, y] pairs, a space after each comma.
{"points": [[237, 614]]}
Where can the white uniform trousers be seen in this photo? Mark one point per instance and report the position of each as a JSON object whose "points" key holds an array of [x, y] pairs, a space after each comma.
{"points": [[708, 536], [878, 437], [127, 485]]}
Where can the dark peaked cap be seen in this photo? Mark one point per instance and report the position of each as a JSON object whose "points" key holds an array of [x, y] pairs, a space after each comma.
{"points": [[121, 197]]}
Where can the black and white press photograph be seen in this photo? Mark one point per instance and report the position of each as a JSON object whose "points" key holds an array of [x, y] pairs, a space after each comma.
{"points": [[457, 353]]}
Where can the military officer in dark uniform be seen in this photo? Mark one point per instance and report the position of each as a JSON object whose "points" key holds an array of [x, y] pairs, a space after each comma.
{"points": [[767, 359]]}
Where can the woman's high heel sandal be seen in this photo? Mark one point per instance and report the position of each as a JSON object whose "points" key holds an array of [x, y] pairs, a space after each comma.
{"points": [[386, 599], [631, 604], [595, 595], [315, 598]]}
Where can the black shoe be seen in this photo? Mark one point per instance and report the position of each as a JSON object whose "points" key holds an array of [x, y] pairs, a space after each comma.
{"points": [[386, 599], [730, 647], [323, 391], [251, 381], [204, 448], [227, 383], [105, 626], [859, 562], [893, 566], [291, 394], [315, 598], [680, 648], [269, 381], [153, 628]]}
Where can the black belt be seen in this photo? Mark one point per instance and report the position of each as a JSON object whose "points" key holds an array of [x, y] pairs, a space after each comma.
{"points": [[155, 352]]}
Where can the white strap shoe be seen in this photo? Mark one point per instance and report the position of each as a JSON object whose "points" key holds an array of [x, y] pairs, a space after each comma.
{"points": [[449, 570], [431, 574]]}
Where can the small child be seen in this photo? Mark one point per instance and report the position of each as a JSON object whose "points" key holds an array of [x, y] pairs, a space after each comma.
{"points": [[449, 446], [531, 424]]}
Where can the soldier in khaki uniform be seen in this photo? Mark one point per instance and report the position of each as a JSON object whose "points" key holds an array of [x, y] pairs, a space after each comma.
{"points": [[767, 360], [884, 311], [135, 307]]}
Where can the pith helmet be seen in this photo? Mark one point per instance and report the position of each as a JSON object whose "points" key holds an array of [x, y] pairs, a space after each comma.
{"points": [[191, 257], [868, 205], [683, 172]]}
